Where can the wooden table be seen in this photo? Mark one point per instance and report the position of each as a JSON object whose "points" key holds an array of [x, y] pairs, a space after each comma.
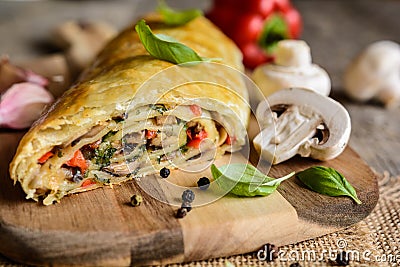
{"points": [[335, 30]]}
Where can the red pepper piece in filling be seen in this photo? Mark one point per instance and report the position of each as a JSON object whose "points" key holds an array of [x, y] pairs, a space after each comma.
{"points": [[45, 157], [196, 110], [229, 140], [78, 160], [201, 135], [194, 143], [87, 183], [150, 134], [196, 139]]}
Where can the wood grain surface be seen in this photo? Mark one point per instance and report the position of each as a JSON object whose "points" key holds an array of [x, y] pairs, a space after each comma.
{"points": [[100, 227], [332, 211], [338, 212]]}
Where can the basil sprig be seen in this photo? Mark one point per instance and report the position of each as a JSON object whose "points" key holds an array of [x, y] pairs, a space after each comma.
{"points": [[165, 47], [177, 18], [327, 181], [245, 180]]}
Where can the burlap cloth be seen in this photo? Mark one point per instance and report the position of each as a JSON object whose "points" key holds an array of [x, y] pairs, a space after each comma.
{"points": [[374, 241]]}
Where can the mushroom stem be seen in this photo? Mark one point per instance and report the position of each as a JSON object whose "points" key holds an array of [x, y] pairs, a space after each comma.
{"points": [[82, 41], [293, 53], [291, 134]]}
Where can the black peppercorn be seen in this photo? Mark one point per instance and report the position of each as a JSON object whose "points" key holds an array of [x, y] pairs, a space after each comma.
{"points": [[181, 213], [188, 196], [187, 206], [271, 251], [164, 172], [136, 200], [296, 264], [342, 258], [203, 183]]}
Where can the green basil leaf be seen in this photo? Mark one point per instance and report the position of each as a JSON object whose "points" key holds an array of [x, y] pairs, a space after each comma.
{"points": [[177, 18], [165, 47], [245, 180], [327, 181]]}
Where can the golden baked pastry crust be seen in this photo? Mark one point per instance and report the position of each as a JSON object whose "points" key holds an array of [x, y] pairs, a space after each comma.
{"points": [[107, 88]]}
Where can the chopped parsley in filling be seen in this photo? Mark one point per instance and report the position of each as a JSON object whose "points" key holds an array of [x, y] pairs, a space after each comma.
{"points": [[129, 151]]}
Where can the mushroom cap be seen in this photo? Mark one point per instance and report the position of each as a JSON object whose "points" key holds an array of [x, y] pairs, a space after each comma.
{"points": [[293, 68], [334, 116], [271, 78]]}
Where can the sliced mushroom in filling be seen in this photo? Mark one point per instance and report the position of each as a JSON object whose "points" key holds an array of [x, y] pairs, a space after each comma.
{"points": [[154, 136]]}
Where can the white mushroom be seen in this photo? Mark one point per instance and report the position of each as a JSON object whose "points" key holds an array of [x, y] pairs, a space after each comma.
{"points": [[301, 122], [375, 73], [55, 68], [293, 68]]}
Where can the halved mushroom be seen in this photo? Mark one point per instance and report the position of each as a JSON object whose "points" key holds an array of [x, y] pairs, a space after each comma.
{"points": [[303, 122]]}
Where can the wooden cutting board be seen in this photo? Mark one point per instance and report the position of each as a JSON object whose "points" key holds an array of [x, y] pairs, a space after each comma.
{"points": [[101, 228]]}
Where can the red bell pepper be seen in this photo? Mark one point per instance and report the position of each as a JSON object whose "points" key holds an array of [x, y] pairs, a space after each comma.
{"points": [[78, 160], [256, 26]]}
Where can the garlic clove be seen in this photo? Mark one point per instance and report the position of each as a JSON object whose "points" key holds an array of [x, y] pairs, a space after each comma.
{"points": [[32, 77], [22, 104]]}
